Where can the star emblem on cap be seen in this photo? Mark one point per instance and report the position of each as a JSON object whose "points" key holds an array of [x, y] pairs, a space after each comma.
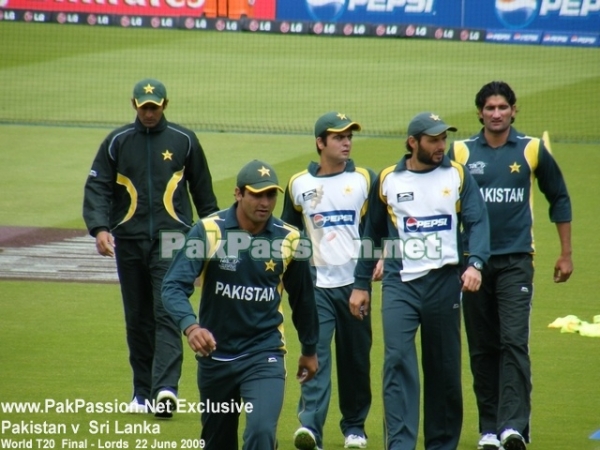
{"points": [[514, 167], [434, 117], [167, 155], [149, 89], [342, 116], [270, 265], [264, 172]]}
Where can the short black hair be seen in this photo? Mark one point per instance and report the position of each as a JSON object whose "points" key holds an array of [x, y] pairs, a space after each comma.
{"points": [[323, 137], [495, 88]]}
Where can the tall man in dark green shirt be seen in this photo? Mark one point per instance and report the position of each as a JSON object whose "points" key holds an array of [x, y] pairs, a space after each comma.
{"points": [[244, 257], [141, 183], [505, 164]]}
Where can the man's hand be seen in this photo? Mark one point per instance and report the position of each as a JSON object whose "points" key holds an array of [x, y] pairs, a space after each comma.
{"points": [[378, 271], [471, 279], [359, 303], [200, 340], [105, 244], [563, 268], [307, 368]]}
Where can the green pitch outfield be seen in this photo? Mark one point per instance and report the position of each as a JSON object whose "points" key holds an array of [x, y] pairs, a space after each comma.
{"points": [[65, 341]]}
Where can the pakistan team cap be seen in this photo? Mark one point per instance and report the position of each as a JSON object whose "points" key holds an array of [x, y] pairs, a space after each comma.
{"points": [[335, 122], [149, 90], [428, 123], [258, 176]]}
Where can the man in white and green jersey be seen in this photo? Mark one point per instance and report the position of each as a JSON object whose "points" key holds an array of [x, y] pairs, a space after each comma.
{"points": [[416, 211], [328, 201]]}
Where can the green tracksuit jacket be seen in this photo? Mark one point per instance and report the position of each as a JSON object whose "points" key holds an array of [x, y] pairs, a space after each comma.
{"points": [[137, 184]]}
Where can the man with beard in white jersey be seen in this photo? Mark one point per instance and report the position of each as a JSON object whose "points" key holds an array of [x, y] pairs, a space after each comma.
{"points": [[416, 211]]}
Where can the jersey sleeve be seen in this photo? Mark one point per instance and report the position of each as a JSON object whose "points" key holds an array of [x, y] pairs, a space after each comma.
{"points": [[552, 184], [371, 186], [475, 220], [374, 229], [98, 190], [178, 283], [200, 180], [299, 286], [290, 214]]}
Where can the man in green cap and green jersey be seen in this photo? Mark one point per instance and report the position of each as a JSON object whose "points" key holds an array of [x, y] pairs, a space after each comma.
{"points": [[244, 258]]}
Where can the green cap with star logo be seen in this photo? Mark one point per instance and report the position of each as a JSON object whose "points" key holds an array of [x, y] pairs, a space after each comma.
{"points": [[149, 90], [335, 122], [258, 176], [428, 123]]}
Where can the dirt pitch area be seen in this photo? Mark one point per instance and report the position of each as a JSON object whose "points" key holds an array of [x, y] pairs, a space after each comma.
{"points": [[52, 254]]}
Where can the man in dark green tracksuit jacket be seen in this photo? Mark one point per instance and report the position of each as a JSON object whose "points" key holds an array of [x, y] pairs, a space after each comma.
{"points": [[137, 187], [244, 257], [505, 164]]}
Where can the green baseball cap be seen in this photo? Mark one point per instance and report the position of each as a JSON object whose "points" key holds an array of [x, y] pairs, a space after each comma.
{"points": [[335, 122], [258, 176], [428, 123], [149, 90]]}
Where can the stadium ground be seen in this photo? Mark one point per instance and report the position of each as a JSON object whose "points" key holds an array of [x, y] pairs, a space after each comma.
{"points": [[52, 254]]}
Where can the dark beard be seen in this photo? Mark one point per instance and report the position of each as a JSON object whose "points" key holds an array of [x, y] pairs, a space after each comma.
{"points": [[424, 158]]}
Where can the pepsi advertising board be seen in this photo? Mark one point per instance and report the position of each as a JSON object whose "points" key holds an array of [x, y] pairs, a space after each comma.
{"points": [[429, 12], [578, 16]]}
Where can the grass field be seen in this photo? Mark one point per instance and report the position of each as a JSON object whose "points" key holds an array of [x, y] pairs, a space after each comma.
{"points": [[273, 83], [66, 340]]}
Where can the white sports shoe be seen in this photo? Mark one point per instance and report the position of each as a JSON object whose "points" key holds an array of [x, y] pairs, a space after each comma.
{"points": [[166, 404], [304, 439], [355, 441], [488, 441], [512, 440], [137, 408]]}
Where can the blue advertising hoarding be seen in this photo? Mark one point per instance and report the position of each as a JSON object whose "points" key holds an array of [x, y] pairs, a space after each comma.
{"points": [[581, 16], [428, 12]]}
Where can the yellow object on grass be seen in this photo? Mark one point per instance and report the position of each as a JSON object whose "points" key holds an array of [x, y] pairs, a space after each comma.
{"points": [[573, 324]]}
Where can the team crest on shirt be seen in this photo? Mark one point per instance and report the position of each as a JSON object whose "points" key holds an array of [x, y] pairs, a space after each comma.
{"points": [[314, 196], [477, 168], [229, 263], [309, 195], [405, 197]]}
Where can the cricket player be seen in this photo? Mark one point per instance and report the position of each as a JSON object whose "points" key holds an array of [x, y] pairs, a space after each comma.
{"points": [[244, 258], [416, 212]]}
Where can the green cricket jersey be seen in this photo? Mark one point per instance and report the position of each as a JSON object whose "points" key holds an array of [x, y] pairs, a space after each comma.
{"points": [[506, 177], [242, 278]]}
